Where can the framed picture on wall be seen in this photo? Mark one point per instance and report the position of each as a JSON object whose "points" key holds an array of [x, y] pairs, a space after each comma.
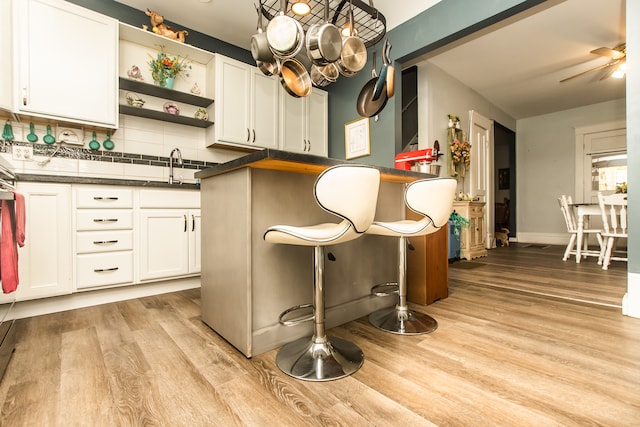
{"points": [[503, 179], [356, 138]]}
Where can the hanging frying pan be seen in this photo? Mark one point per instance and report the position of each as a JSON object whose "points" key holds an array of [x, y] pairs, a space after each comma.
{"points": [[295, 78], [324, 41], [366, 105], [322, 75], [285, 34]]}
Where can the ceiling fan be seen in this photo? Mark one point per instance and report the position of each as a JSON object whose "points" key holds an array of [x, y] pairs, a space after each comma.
{"points": [[617, 64]]}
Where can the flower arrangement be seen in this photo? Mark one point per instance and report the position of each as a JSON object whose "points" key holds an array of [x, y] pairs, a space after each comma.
{"points": [[164, 67], [461, 152], [621, 188]]}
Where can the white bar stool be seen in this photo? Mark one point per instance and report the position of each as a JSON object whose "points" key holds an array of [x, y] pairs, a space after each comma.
{"points": [[432, 198], [351, 193]]}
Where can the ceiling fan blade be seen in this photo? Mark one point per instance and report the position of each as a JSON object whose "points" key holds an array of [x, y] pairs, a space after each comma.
{"points": [[617, 53], [608, 64]]}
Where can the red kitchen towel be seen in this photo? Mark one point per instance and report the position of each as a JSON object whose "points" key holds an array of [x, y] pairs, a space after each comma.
{"points": [[13, 233]]}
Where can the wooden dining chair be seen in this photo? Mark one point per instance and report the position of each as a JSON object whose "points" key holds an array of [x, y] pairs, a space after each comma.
{"points": [[572, 228], [614, 224]]}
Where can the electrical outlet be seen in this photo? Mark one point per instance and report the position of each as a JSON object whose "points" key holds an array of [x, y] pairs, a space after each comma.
{"points": [[22, 152]]}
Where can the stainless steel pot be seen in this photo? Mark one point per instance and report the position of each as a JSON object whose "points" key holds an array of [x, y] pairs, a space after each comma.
{"points": [[259, 44], [322, 75], [285, 34], [324, 41]]}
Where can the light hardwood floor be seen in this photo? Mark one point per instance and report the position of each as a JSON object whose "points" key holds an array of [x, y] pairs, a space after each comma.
{"points": [[499, 358]]}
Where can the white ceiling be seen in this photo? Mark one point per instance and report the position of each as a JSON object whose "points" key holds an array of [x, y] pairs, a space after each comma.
{"points": [[518, 66]]}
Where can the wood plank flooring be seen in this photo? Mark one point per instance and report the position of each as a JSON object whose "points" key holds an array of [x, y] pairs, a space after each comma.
{"points": [[498, 358], [539, 270]]}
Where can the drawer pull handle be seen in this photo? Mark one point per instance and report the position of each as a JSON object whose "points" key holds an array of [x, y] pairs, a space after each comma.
{"points": [[102, 270], [105, 220], [104, 198], [104, 242]]}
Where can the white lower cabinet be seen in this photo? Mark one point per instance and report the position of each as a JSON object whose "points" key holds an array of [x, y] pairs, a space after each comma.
{"points": [[169, 225], [45, 261], [104, 236]]}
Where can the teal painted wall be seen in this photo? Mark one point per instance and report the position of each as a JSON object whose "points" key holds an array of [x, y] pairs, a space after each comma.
{"points": [[633, 132], [437, 26]]}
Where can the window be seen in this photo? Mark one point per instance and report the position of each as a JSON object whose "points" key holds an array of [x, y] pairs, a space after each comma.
{"points": [[608, 172]]}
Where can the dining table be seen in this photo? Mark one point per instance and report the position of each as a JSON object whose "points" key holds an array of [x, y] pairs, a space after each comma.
{"points": [[583, 212]]}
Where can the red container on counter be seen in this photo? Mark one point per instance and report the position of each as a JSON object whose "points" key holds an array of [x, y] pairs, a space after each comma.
{"points": [[405, 160]]}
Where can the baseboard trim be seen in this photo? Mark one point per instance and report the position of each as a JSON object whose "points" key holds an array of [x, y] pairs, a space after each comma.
{"points": [[38, 307]]}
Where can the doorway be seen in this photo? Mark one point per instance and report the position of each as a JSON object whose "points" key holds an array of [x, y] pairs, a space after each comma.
{"points": [[504, 156]]}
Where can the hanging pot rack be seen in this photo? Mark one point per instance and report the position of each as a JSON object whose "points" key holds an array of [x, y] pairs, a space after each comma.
{"points": [[368, 21]]}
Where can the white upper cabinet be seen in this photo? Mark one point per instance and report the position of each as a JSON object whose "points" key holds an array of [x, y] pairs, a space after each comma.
{"points": [[65, 63], [247, 105], [304, 123]]}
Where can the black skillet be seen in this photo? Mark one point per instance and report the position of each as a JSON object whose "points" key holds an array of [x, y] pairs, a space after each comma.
{"points": [[366, 105]]}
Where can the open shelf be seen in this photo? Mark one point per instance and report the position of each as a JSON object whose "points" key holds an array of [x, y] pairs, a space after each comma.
{"points": [[161, 115], [162, 92]]}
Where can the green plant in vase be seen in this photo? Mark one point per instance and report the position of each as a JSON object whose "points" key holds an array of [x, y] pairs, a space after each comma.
{"points": [[164, 69]]}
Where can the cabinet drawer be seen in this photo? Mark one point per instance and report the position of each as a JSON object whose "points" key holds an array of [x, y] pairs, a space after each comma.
{"points": [[104, 219], [104, 198], [169, 199], [104, 269], [104, 241]]}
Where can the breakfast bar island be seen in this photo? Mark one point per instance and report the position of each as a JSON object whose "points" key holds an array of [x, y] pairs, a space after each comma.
{"points": [[247, 282]]}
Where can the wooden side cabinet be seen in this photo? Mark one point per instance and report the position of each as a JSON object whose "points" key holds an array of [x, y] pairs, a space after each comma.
{"points": [[427, 266], [472, 238]]}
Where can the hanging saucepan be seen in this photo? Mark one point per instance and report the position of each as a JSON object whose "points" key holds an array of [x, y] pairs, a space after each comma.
{"points": [[259, 43], [295, 78], [324, 41], [391, 73], [322, 75], [285, 34], [382, 78], [271, 68], [353, 56], [365, 105]]}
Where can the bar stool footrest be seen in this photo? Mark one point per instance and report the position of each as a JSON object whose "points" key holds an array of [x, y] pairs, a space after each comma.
{"points": [[298, 320], [385, 289]]}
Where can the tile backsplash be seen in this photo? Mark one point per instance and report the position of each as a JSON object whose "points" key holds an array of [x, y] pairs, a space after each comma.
{"points": [[141, 151]]}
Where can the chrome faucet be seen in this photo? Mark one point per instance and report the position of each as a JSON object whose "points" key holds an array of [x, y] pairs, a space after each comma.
{"points": [[178, 162]]}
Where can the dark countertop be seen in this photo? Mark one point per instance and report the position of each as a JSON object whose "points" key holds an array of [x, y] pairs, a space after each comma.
{"points": [[61, 179], [301, 163]]}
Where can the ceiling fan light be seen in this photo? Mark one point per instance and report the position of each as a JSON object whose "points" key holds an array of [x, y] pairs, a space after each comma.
{"points": [[618, 74], [301, 7]]}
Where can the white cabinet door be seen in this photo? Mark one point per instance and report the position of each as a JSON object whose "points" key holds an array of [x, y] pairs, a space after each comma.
{"points": [[194, 241], [6, 51], [317, 117], [304, 123], [233, 84], [264, 110], [67, 63], [164, 243], [45, 261], [246, 110]]}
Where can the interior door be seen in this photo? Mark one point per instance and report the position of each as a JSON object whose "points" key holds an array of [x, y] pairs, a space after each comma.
{"points": [[481, 170]]}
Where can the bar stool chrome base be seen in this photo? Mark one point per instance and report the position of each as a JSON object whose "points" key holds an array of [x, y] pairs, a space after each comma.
{"points": [[402, 321], [324, 359]]}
